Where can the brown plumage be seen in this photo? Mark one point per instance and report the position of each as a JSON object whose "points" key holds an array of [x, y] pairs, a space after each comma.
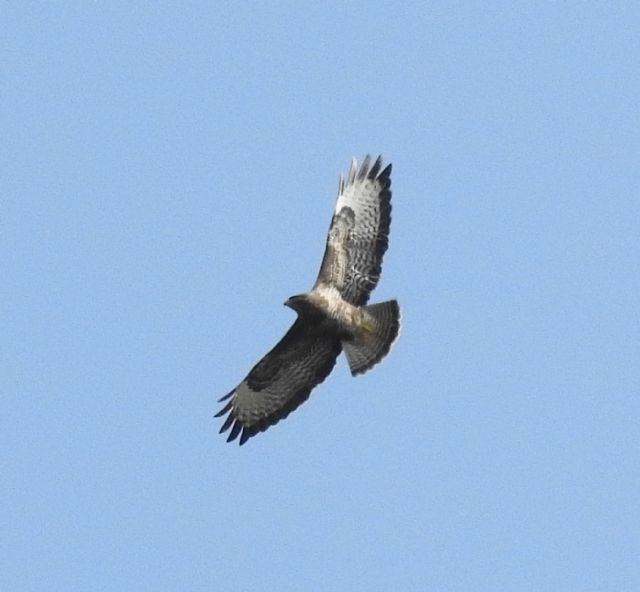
{"points": [[332, 316]]}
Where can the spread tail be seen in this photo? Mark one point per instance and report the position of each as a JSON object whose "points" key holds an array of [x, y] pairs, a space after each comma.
{"points": [[382, 324]]}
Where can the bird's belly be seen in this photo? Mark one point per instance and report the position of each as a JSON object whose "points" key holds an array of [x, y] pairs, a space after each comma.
{"points": [[344, 315]]}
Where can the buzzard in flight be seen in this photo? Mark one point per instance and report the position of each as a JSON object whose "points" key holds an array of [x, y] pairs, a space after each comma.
{"points": [[333, 316]]}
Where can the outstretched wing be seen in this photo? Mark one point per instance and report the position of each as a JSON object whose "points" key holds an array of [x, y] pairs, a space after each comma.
{"points": [[359, 231], [282, 380]]}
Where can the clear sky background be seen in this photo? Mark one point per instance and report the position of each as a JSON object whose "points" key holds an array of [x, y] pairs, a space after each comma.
{"points": [[168, 176]]}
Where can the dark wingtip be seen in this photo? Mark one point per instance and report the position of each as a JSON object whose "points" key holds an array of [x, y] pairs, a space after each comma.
{"points": [[375, 169], [227, 424], [226, 408], [226, 396], [364, 168], [235, 430]]}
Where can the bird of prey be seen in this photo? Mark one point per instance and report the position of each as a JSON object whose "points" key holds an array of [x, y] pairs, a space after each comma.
{"points": [[333, 316]]}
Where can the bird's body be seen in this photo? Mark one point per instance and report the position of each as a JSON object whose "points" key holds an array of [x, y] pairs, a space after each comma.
{"points": [[325, 301], [333, 316]]}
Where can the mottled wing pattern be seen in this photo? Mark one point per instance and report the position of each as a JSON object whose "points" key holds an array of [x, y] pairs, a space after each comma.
{"points": [[282, 380], [359, 231]]}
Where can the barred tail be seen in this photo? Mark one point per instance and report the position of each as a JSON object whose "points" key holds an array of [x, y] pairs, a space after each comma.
{"points": [[367, 350]]}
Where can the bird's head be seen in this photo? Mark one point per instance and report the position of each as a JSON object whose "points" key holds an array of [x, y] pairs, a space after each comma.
{"points": [[293, 302], [300, 303]]}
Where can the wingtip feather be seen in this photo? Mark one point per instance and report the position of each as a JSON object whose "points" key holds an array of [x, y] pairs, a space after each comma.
{"points": [[224, 410], [352, 171], [373, 173], [226, 396], [227, 424], [361, 171], [364, 168], [235, 430]]}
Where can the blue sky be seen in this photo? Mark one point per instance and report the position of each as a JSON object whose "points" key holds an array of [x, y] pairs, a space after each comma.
{"points": [[168, 180]]}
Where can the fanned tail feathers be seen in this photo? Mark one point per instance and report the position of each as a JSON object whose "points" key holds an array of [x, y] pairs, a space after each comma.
{"points": [[366, 351]]}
